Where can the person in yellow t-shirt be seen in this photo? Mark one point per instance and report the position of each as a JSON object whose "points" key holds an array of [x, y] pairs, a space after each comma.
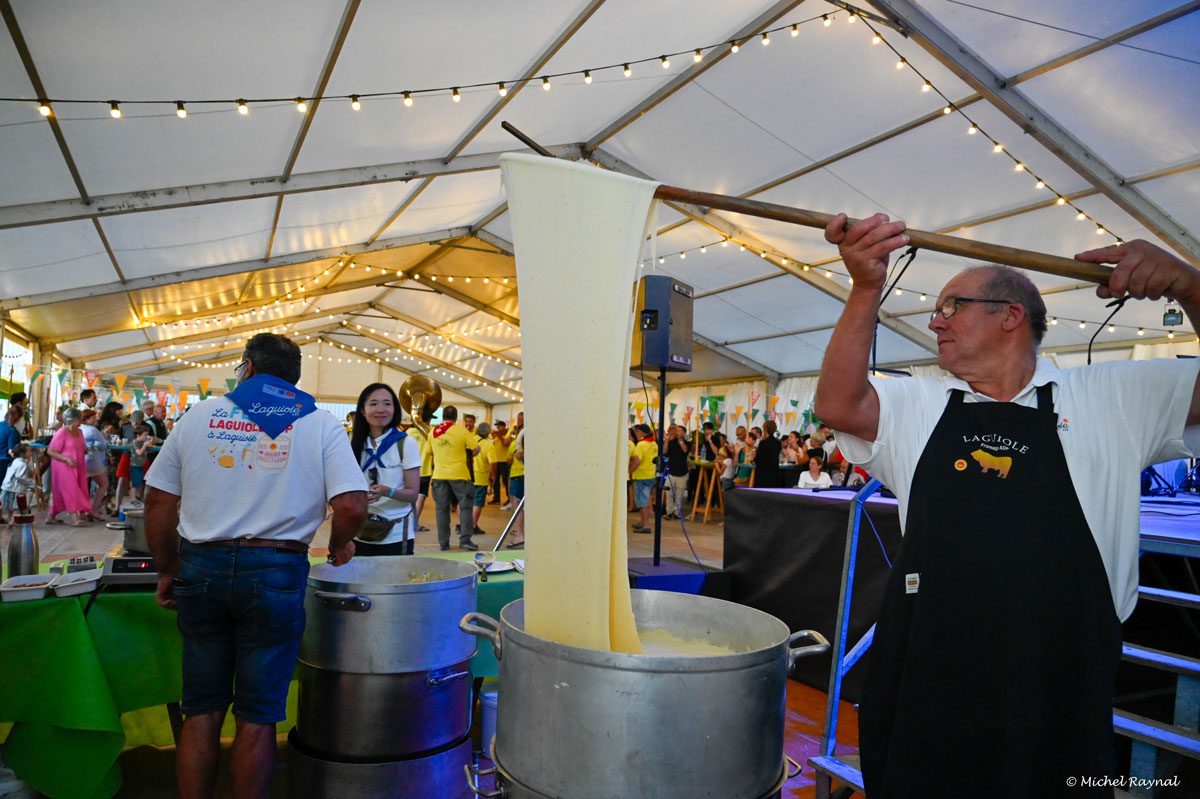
{"points": [[452, 444], [643, 466], [482, 471], [516, 487], [426, 473]]}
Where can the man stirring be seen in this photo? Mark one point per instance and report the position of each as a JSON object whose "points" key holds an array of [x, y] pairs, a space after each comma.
{"points": [[992, 668]]}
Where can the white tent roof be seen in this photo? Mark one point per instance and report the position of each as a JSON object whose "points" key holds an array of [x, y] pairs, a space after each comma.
{"points": [[121, 236]]}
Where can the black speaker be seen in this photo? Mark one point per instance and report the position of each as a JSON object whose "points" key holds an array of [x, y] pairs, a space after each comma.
{"points": [[662, 331]]}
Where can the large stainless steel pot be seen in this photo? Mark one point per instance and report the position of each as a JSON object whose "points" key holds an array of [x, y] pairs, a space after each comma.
{"points": [[436, 775], [388, 615], [383, 666], [383, 715], [135, 531], [586, 724]]}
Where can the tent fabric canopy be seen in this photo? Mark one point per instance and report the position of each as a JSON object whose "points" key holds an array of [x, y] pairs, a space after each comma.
{"points": [[151, 244]]}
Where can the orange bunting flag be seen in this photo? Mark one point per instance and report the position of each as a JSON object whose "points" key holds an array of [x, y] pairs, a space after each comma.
{"points": [[771, 403], [119, 380]]}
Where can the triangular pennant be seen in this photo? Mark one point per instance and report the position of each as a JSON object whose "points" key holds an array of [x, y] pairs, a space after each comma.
{"points": [[771, 403], [753, 414], [62, 376], [737, 412], [119, 380], [674, 405], [148, 382], [754, 396], [91, 377], [791, 418], [795, 403], [138, 394], [231, 382], [183, 396], [203, 383]]}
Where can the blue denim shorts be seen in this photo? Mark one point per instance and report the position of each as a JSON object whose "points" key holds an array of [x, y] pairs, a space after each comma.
{"points": [[516, 487], [641, 492], [241, 613], [480, 496]]}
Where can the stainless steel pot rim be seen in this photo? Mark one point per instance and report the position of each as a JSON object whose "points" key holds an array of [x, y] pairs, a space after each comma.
{"points": [[620, 661], [509, 778], [323, 577], [296, 741], [456, 662]]}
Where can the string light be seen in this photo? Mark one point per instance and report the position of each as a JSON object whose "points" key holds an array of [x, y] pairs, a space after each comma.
{"points": [[733, 47], [44, 108], [697, 57], [180, 110], [408, 100], [902, 63], [114, 109], [301, 106], [354, 103], [546, 83], [587, 76], [626, 70], [455, 96], [826, 21], [795, 30], [666, 62], [766, 39], [242, 108]]}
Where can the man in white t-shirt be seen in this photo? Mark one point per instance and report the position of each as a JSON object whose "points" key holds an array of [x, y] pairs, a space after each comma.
{"points": [[246, 478], [999, 635]]}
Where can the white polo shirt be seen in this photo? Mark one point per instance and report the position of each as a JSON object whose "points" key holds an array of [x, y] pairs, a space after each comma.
{"points": [[1115, 419], [235, 481]]}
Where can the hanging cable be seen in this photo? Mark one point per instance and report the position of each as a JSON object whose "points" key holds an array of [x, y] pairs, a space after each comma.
{"points": [[1119, 303]]}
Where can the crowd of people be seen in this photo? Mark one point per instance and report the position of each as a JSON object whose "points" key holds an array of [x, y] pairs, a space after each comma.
{"points": [[93, 458], [754, 457]]}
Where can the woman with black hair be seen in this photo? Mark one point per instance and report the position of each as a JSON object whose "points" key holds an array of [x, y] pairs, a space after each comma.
{"points": [[391, 460]]}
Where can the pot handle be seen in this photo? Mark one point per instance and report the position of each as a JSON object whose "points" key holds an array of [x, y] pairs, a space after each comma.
{"points": [[335, 601], [473, 773], [820, 647], [482, 625]]}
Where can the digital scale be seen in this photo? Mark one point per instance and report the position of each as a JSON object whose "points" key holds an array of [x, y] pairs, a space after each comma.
{"points": [[123, 569]]}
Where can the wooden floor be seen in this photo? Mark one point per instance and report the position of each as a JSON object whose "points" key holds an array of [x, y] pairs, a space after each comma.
{"points": [[149, 772]]}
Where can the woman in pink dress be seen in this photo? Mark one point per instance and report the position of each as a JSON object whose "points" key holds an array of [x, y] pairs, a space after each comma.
{"points": [[68, 471]]}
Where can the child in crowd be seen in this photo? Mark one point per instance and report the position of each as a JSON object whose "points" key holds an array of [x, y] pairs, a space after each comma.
{"points": [[727, 461], [17, 480], [138, 452]]}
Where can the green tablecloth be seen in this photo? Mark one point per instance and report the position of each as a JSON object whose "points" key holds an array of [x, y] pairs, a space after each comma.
{"points": [[78, 689]]}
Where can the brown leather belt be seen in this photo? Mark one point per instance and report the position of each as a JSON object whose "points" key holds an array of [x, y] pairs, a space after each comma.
{"points": [[290, 546]]}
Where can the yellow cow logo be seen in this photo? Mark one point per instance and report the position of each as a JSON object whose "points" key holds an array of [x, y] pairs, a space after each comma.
{"points": [[988, 462]]}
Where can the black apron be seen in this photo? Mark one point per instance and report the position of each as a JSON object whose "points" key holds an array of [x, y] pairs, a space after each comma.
{"points": [[992, 669]]}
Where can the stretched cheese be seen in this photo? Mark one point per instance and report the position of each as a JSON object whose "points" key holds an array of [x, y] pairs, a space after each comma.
{"points": [[577, 231]]}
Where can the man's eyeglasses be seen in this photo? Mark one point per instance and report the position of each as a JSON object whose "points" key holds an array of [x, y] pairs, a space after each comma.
{"points": [[950, 305], [237, 370]]}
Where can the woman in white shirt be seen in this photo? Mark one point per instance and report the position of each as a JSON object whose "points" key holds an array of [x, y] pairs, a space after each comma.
{"points": [[391, 460], [815, 477]]}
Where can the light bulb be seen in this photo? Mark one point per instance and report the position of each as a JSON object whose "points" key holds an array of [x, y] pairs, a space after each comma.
{"points": [[926, 86], [998, 148], [876, 39], [243, 109], [682, 255], [703, 250], [1061, 201], [354, 103], [1081, 216], [301, 106], [734, 47], [114, 109], [662, 260], [44, 108], [795, 29], [1019, 167], [1082, 325], [666, 62], [971, 131], [1054, 320], [1171, 334], [924, 297], [1041, 184], [1099, 231], [408, 101], [455, 96], [826, 20], [546, 83], [180, 110], [948, 109], [1141, 332], [828, 273], [697, 57], [628, 72], [501, 89], [587, 76], [852, 19], [901, 63], [766, 39], [1112, 328]]}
